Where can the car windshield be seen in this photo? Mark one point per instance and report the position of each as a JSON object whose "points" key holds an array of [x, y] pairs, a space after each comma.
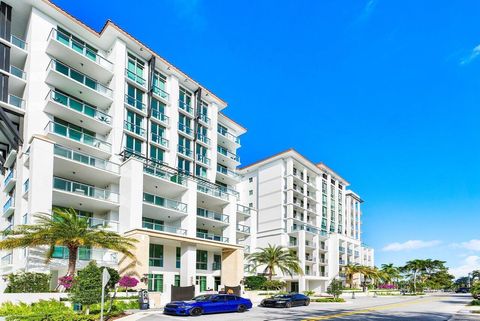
{"points": [[202, 298], [282, 296]]}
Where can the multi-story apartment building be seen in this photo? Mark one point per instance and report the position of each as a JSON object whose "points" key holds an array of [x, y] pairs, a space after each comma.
{"points": [[308, 208], [100, 123]]}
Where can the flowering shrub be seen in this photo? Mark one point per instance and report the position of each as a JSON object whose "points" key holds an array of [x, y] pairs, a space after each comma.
{"points": [[66, 281], [128, 281], [387, 286]]}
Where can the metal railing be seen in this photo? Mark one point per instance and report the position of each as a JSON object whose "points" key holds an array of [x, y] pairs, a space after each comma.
{"points": [[203, 138], [243, 228], [81, 48], [85, 159], [160, 116], [213, 237], [212, 191], [244, 209], [136, 78], [185, 106], [159, 172], [9, 177], [212, 215], [227, 153], [203, 159], [159, 139], [79, 77], [17, 72], [73, 134], [65, 185], [134, 128], [229, 136], [8, 204], [184, 128], [163, 228], [135, 103], [16, 101], [79, 106], [160, 92], [226, 171], [164, 202], [20, 43], [87, 254], [204, 118], [185, 151]]}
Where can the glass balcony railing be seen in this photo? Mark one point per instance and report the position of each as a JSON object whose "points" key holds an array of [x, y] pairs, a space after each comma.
{"points": [[341, 249], [216, 266], [6, 260], [163, 228], [26, 185], [94, 222], [226, 171], [213, 237], [79, 106], [84, 190], [216, 192], [159, 172], [86, 254], [292, 243], [160, 116], [185, 106], [81, 48], [229, 136], [85, 159], [164, 202], [159, 139], [16, 101], [212, 215], [229, 190], [73, 134], [185, 151], [132, 101], [204, 118], [203, 159], [17, 72], [203, 138], [185, 129], [134, 128], [225, 152], [20, 43], [305, 227], [9, 177], [244, 209], [160, 92], [136, 78], [243, 228], [79, 77], [8, 204]]}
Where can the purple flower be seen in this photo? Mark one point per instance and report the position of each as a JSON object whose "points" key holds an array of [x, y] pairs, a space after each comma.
{"points": [[128, 281], [66, 281]]}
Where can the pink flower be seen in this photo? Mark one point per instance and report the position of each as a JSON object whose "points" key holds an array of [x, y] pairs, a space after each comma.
{"points": [[128, 281], [66, 281]]}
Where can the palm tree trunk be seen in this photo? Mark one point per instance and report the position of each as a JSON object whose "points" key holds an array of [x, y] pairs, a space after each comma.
{"points": [[72, 260]]}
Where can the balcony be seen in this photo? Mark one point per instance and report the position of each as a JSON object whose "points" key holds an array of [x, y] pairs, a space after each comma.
{"points": [[18, 49], [342, 262], [177, 181], [6, 263], [69, 136], [159, 92], [16, 79], [163, 228], [9, 181], [203, 139], [134, 128], [135, 104], [227, 157], [136, 79], [74, 53], [203, 159], [78, 112], [204, 118], [77, 84], [185, 129], [87, 254], [164, 202], [244, 229], [185, 106], [246, 249], [212, 237], [160, 116], [227, 139], [212, 192], [14, 103], [341, 249], [185, 151], [158, 139], [68, 192], [244, 210], [94, 222], [9, 207], [228, 176], [211, 215]]}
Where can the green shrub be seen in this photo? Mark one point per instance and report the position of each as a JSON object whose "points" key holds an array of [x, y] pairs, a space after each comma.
{"points": [[255, 282], [309, 292], [87, 287], [335, 288], [118, 306], [328, 300], [475, 302], [28, 282], [475, 290], [273, 285]]}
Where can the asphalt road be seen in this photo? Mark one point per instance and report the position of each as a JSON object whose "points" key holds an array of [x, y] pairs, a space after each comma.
{"points": [[425, 308]]}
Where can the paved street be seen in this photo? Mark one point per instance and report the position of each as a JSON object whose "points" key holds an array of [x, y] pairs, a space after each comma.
{"points": [[427, 308]]}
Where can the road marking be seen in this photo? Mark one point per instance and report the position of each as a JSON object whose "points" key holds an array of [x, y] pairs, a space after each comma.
{"points": [[372, 309]]}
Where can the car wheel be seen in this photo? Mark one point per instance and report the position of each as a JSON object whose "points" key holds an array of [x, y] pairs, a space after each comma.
{"points": [[307, 302], [196, 312], [241, 308], [288, 305]]}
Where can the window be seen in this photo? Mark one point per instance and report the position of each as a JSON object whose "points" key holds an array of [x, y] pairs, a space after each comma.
{"points": [[156, 154], [25, 218], [250, 179], [135, 69], [184, 146], [250, 192], [156, 255], [158, 134], [159, 82], [155, 282], [250, 205], [184, 165], [200, 171], [217, 262], [202, 281], [178, 257], [135, 97], [133, 145], [133, 123], [76, 44], [176, 282], [202, 134], [74, 132], [184, 124], [158, 110], [185, 99], [202, 260], [203, 112]]}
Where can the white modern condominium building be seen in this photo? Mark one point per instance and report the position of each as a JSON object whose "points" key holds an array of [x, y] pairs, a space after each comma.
{"points": [[308, 208], [100, 123]]}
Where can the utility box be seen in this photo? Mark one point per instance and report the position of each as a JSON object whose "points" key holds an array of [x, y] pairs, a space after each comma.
{"points": [[143, 300]]}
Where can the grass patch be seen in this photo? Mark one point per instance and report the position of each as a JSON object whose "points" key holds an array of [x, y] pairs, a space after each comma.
{"points": [[327, 300], [475, 302]]}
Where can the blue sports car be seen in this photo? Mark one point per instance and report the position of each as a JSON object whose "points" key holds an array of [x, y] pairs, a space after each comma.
{"points": [[208, 303]]}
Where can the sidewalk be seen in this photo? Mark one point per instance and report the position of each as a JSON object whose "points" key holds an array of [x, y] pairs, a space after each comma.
{"points": [[138, 314], [465, 314]]}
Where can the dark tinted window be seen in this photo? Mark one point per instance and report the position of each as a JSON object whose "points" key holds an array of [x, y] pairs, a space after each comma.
{"points": [[231, 298]]}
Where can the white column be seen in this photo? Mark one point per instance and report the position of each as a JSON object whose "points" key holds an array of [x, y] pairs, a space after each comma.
{"points": [[301, 256], [41, 176], [188, 264], [131, 195], [189, 223]]}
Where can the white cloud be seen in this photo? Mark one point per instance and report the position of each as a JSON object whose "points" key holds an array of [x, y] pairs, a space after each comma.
{"points": [[473, 245], [469, 264], [473, 55], [410, 245]]}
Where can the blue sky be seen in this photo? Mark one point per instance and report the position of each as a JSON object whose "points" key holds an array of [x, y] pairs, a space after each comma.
{"points": [[384, 92]]}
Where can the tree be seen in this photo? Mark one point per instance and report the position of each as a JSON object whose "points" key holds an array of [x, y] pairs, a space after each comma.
{"points": [[414, 267], [28, 282], [87, 286], [335, 288], [66, 228], [391, 273], [128, 282], [275, 257], [476, 275], [350, 271], [255, 282]]}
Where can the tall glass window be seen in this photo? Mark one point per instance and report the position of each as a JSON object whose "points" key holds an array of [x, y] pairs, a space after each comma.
{"points": [[156, 255], [155, 282]]}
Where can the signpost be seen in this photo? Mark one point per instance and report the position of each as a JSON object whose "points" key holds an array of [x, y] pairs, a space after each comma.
{"points": [[105, 279]]}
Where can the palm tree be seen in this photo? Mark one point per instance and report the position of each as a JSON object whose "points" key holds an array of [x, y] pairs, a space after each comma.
{"points": [[415, 267], [273, 257], [65, 228], [350, 271], [391, 272]]}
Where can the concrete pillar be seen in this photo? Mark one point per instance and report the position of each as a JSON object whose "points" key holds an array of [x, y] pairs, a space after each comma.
{"points": [[189, 223], [301, 257], [232, 267], [131, 195], [188, 264], [138, 265]]}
